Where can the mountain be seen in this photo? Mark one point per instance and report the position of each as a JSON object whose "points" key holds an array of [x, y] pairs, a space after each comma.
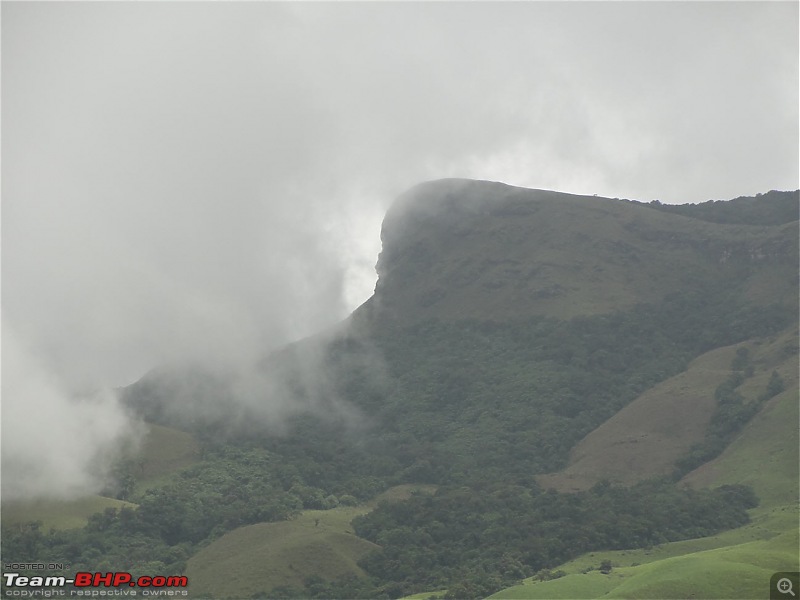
{"points": [[553, 375], [455, 249]]}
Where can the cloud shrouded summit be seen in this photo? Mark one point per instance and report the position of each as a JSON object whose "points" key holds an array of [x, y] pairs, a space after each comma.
{"points": [[207, 181]]}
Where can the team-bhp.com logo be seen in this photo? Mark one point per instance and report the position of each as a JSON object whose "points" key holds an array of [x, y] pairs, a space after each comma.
{"points": [[86, 579]]}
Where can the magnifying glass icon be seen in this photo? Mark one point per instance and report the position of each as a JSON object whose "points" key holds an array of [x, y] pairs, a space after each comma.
{"points": [[785, 586]]}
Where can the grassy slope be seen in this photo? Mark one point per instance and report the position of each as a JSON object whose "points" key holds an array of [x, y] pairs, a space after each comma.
{"points": [[646, 437], [259, 557], [737, 568], [733, 564], [58, 514], [163, 452], [764, 461]]}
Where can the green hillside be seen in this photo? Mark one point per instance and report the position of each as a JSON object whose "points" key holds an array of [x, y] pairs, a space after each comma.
{"points": [[553, 364], [58, 514], [735, 571], [650, 434], [734, 564], [164, 451], [259, 558]]}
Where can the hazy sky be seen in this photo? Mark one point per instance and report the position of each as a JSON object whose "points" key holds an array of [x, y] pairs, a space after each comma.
{"points": [[208, 179]]}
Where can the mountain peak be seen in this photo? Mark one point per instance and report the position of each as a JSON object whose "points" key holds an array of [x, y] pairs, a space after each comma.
{"points": [[460, 248]]}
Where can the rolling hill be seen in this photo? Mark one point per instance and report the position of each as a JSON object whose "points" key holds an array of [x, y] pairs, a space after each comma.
{"points": [[259, 558]]}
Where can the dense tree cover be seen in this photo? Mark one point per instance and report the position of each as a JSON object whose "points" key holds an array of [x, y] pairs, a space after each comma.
{"points": [[230, 488], [115, 540], [772, 208], [476, 541], [464, 402]]}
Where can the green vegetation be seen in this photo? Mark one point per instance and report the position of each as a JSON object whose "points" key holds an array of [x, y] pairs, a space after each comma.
{"points": [[647, 436], [735, 570], [164, 451], [732, 413], [732, 564], [477, 541], [316, 549], [57, 514], [479, 406], [259, 558], [653, 432], [224, 491], [456, 250]]}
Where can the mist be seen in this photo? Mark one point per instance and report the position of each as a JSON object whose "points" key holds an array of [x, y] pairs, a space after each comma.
{"points": [[202, 183], [56, 441]]}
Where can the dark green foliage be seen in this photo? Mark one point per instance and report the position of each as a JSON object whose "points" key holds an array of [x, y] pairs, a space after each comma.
{"points": [[468, 402], [772, 208], [775, 386], [112, 541], [548, 574], [477, 541], [230, 488], [742, 359]]}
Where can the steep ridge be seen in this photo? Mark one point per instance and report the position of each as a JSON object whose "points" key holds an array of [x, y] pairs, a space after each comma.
{"points": [[474, 249]]}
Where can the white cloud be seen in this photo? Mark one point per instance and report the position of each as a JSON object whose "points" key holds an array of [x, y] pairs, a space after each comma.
{"points": [[207, 180], [55, 443]]}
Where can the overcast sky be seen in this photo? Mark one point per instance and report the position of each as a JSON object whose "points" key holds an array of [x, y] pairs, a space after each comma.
{"points": [[207, 180]]}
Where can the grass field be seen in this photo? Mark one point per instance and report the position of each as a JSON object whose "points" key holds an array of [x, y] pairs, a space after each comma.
{"points": [[260, 557], [733, 571], [730, 565], [58, 514], [163, 452]]}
